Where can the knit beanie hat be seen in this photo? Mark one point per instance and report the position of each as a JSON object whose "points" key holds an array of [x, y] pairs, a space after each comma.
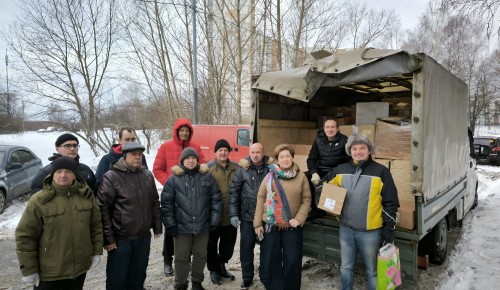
{"points": [[357, 139], [64, 162], [188, 152], [222, 143], [66, 137]]}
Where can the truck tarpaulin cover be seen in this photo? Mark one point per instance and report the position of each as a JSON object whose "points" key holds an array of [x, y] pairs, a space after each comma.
{"points": [[439, 112]]}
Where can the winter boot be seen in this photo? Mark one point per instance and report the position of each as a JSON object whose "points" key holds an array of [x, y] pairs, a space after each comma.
{"points": [[225, 273], [246, 285], [197, 286], [181, 287], [168, 270], [215, 277]]}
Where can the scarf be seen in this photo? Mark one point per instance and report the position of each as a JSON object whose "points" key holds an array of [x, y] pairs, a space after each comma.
{"points": [[277, 208]]}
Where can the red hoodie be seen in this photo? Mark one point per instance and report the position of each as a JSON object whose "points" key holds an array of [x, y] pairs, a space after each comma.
{"points": [[169, 153]]}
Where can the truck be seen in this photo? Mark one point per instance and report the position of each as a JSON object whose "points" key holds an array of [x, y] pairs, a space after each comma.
{"points": [[439, 180], [238, 137]]}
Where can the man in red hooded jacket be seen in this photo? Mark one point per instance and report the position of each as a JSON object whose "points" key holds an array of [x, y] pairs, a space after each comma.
{"points": [[168, 156]]}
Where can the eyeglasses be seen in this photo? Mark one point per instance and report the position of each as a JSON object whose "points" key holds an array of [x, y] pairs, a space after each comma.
{"points": [[130, 139], [69, 146]]}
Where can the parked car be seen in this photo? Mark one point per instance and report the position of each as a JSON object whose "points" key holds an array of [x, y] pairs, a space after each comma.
{"points": [[18, 167], [487, 149]]}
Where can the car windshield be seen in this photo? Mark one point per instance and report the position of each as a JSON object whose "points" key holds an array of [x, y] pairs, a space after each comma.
{"points": [[2, 156], [483, 141]]}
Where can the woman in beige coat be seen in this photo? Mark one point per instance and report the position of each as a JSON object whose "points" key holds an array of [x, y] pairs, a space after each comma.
{"points": [[283, 203]]}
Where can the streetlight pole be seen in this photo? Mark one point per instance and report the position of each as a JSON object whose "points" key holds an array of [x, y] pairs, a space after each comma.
{"points": [[195, 64], [7, 76]]}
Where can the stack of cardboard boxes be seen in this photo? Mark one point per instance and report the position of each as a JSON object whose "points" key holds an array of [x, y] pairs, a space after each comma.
{"points": [[386, 125]]}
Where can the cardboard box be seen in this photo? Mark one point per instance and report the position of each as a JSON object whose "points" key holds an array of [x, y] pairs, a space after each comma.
{"points": [[393, 139], [332, 198], [367, 129], [301, 149], [369, 112], [401, 171], [301, 161], [406, 215]]}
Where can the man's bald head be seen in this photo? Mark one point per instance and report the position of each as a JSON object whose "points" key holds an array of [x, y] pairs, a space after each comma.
{"points": [[256, 153]]}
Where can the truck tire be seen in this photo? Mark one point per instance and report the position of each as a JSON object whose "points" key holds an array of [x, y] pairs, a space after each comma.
{"points": [[438, 243], [476, 200]]}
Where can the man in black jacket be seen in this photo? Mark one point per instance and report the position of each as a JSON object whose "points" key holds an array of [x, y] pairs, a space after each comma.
{"points": [[191, 206], [242, 202], [66, 145], [327, 151]]}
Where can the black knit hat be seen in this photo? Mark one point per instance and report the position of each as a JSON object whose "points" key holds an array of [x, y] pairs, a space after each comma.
{"points": [[66, 137], [64, 162], [188, 152], [222, 143]]}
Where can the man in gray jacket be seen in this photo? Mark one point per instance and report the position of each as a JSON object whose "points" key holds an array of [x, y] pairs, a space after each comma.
{"points": [[191, 206], [242, 202]]}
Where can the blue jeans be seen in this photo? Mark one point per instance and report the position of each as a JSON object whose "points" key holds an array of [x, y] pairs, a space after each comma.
{"points": [[368, 243], [126, 266]]}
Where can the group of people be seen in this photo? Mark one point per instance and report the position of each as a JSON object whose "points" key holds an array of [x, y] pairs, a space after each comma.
{"points": [[74, 214]]}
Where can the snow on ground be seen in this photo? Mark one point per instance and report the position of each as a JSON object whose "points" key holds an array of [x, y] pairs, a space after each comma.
{"points": [[474, 263]]}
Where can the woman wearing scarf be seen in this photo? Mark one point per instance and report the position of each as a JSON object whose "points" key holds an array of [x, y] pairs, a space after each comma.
{"points": [[283, 203]]}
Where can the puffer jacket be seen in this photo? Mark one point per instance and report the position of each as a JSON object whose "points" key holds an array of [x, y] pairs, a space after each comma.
{"points": [[244, 188], [191, 200], [169, 152], [83, 171], [324, 156], [224, 177], [129, 203], [114, 154], [59, 232], [372, 200]]}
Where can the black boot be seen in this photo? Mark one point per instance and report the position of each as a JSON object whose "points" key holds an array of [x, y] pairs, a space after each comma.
{"points": [[215, 277], [225, 273], [183, 287], [197, 286], [167, 269]]}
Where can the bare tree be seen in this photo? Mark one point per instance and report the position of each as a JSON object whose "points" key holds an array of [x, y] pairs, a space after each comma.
{"points": [[484, 11], [460, 44], [65, 48]]}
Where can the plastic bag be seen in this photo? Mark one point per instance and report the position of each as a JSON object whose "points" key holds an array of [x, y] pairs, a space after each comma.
{"points": [[388, 267]]}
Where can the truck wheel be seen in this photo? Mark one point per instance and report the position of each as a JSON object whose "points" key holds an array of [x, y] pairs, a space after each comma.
{"points": [[438, 245], [476, 200]]}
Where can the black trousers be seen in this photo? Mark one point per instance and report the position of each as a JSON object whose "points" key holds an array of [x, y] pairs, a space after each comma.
{"points": [[220, 246], [247, 245], [66, 284], [281, 259], [168, 248]]}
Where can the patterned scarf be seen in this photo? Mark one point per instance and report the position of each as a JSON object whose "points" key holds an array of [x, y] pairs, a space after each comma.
{"points": [[277, 208]]}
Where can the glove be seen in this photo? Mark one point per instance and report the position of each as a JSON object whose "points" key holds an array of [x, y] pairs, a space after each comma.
{"points": [[95, 261], [213, 228], [235, 221], [32, 278], [171, 231], [388, 236], [315, 179]]}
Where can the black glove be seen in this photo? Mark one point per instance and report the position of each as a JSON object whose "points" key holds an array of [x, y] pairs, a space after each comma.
{"points": [[213, 228], [387, 235], [171, 231]]}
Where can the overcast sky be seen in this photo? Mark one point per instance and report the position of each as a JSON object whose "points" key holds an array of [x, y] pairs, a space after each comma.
{"points": [[409, 12]]}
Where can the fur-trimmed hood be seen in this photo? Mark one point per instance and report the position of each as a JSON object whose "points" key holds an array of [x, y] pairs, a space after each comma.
{"points": [[245, 162], [179, 171]]}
